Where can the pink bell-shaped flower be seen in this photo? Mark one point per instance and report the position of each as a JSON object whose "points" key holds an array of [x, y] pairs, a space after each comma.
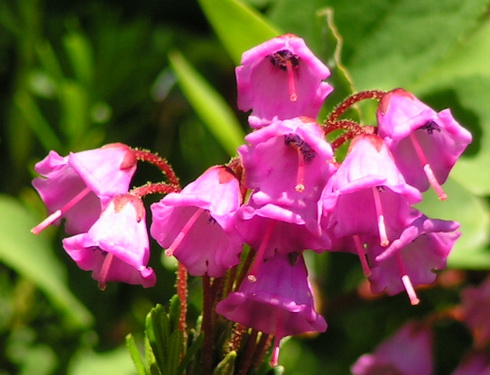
{"points": [[422, 248], [116, 247], [77, 187], [287, 164], [367, 195], [196, 225], [281, 79], [408, 352], [278, 301], [425, 144]]}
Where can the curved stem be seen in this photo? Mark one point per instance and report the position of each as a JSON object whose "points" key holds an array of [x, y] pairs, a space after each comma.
{"points": [[248, 353], [207, 325], [154, 188], [353, 99], [159, 162]]}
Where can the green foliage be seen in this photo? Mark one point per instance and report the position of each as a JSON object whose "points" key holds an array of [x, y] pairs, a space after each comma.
{"points": [[209, 105], [33, 258], [165, 351], [239, 27]]}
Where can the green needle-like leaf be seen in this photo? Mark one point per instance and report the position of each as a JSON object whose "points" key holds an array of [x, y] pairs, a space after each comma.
{"points": [[135, 355]]}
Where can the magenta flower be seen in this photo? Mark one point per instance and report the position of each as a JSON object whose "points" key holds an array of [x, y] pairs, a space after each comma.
{"points": [[116, 247], [287, 164], [476, 306], [279, 301], [197, 224], [474, 363], [424, 143], [77, 187], [270, 230], [408, 352], [281, 79], [423, 247], [367, 195]]}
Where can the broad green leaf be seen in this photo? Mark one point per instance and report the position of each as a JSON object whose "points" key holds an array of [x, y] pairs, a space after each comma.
{"points": [[471, 250], [332, 43], [472, 93], [238, 26], [32, 258], [301, 20], [472, 172], [39, 360], [208, 104], [468, 58], [410, 39], [466, 72], [116, 361]]}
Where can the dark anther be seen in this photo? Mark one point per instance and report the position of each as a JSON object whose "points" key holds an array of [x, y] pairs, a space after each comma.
{"points": [[305, 149], [280, 58], [380, 188], [430, 126], [293, 258]]}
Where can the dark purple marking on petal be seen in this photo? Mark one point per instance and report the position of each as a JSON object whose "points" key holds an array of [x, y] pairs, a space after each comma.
{"points": [[430, 126], [280, 59]]}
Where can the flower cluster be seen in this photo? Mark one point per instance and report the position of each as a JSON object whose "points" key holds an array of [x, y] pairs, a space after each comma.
{"points": [[284, 194]]}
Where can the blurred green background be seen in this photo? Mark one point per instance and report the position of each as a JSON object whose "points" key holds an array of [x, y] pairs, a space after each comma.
{"points": [[160, 75]]}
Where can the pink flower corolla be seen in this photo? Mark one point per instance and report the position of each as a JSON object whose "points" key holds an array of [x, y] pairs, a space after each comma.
{"points": [[116, 247], [409, 261], [287, 164], [272, 230], [281, 79], [196, 225], [367, 196], [476, 307], [278, 302], [78, 186], [408, 352], [474, 363], [425, 144]]}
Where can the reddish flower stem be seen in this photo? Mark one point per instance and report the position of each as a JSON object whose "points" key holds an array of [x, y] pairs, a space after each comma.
{"points": [[159, 162], [154, 188], [348, 125], [181, 285], [262, 347], [248, 353], [207, 325], [351, 100], [342, 139], [230, 281]]}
